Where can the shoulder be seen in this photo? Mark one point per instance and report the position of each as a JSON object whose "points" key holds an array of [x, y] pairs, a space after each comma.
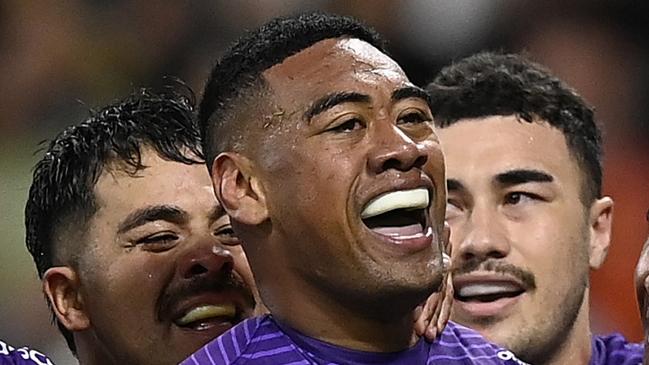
{"points": [[21, 356], [249, 340], [463, 345], [615, 349]]}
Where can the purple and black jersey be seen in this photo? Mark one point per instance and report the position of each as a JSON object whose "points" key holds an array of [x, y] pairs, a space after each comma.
{"points": [[615, 350], [262, 340], [21, 356]]}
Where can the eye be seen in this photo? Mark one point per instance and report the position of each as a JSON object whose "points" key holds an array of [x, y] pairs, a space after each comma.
{"points": [[453, 209], [159, 239], [227, 236], [413, 118], [519, 197], [347, 126]]}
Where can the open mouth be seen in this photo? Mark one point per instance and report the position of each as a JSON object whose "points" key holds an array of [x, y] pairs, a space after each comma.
{"points": [[206, 316], [487, 292], [398, 214]]}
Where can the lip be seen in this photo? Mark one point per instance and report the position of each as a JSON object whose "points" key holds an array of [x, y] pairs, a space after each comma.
{"points": [[403, 183], [500, 307], [214, 326], [407, 181]]}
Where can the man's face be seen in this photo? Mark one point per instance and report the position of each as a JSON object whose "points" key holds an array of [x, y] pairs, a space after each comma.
{"points": [[519, 231], [642, 288], [162, 275], [353, 174]]}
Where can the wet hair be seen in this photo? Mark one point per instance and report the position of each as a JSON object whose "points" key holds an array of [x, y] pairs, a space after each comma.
{"points": [[490, 84], [236, 80], [61, 196]]}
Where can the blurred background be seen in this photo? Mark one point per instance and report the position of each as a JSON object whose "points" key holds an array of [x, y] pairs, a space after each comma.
{"points": [[59, 59]]}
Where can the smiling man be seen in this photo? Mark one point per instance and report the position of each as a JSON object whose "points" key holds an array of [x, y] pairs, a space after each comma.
{"points": [[527, 217], [324, 155], [642, 289], [138, 260]]}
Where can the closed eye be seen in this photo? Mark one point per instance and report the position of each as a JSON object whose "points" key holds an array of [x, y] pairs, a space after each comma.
{"points": [[159, 239], [227, 236], [347, 126]]}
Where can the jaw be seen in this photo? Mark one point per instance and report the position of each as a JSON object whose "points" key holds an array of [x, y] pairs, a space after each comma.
{"points": [[552, 335]]}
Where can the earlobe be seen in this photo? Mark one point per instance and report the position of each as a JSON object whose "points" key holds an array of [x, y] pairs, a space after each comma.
{"points": [[238, 190], [601, 221], [61, 286]]}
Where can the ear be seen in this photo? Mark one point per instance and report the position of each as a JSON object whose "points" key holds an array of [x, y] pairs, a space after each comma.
{"points": [[238, 190], [600, 224], [61, 286]]}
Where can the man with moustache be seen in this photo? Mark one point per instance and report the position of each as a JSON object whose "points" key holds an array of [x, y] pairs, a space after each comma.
{"points": [[324, 156], [642, 289], [138, 260], [527, 216]]}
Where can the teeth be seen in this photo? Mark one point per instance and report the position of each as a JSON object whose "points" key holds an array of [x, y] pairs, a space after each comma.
{"points": [[487, 289], [404, 199], [207, 311]]}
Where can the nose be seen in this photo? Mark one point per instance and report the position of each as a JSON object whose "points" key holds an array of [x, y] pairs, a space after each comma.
{"points": [[482, 236], [396, 150], [205, 260]]}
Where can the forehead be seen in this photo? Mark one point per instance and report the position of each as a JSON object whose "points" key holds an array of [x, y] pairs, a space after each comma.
{"points": [[340, 64], [484, 147], [162, 182]]}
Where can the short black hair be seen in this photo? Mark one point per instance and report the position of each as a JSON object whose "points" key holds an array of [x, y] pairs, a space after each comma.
{"points": [[238, 72], [489, 84], [62, 189]]}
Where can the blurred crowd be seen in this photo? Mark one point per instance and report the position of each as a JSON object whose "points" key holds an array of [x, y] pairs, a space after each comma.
{"points": [[60, 59]]}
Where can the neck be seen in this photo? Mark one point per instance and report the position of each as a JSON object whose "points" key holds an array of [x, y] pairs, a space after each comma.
{"points": [[576, 348], [90, 351], [316, 315]]}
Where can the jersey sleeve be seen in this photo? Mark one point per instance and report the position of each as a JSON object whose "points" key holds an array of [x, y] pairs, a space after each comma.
{"points": [[21, 356]]}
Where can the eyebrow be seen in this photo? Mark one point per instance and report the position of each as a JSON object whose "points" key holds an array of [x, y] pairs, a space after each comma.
{"points": [[411, 92], [153, 213], [333, 99], [522, 176], [216, 213], [454, 185]]}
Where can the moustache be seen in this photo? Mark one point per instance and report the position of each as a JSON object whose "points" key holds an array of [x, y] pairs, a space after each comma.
{"points": [[526, 278], [226, 282]]}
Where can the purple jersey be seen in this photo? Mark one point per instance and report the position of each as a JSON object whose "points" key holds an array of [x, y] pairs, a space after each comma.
{"points": [[21, 356], [262, 340], [615, 350]]}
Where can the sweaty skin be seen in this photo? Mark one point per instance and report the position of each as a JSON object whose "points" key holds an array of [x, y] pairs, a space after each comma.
{"points": [[161, 251]]}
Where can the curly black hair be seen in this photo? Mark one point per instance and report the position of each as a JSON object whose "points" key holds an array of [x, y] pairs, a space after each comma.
{"points": [[236, 76], [488, 84], [61, 194]]}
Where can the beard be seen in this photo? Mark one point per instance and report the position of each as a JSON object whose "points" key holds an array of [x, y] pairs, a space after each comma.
{"points": [[540, 341]]}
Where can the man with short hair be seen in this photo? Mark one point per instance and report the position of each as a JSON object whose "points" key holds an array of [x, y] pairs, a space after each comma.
{"points": [[323, 154], [528, 220], [138, 260]]}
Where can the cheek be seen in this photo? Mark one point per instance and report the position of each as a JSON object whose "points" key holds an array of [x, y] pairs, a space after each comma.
{"points": [[135, 280], [554, 250]]}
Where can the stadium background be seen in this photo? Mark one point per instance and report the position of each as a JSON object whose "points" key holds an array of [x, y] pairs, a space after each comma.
{"points": [[59, 59]]}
